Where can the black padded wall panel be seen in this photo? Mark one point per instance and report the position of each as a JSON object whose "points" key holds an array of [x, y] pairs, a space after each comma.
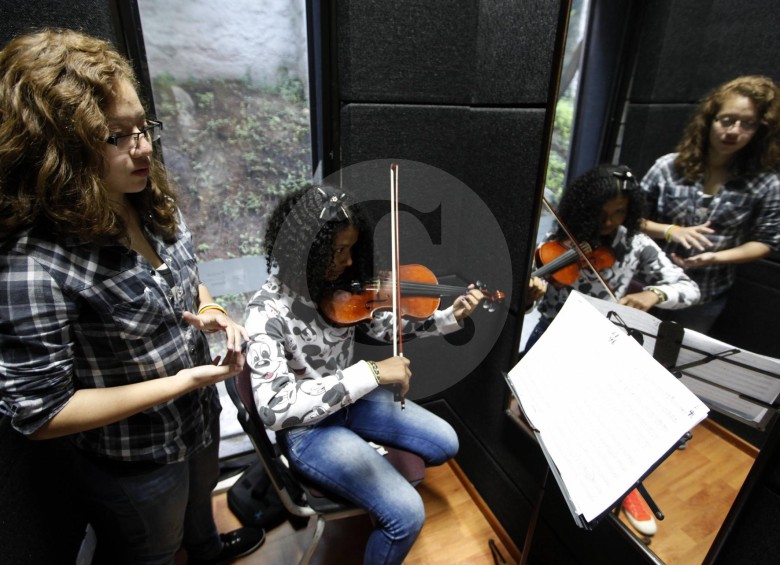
{"points": [[655, 130], [756, 292], [494, 151], [457, 52], [466, 87], [515, 51], [90, 16], [406, 51], [689, 46], [41, 520]]}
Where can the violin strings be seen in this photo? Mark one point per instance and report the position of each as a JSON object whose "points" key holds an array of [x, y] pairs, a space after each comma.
{"points": [[562, 260], [432, 288]]}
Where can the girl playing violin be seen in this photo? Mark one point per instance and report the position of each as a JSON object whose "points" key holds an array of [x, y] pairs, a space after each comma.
{"points": [[324, 405], [603, 207]]}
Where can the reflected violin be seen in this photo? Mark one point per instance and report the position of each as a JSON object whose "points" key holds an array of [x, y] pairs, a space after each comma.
{"points": [[420, 297], [562, 262]]}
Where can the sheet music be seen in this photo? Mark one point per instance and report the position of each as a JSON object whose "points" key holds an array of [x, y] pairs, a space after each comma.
{"points": [[603, 409], [730, 403], [747, 373]]}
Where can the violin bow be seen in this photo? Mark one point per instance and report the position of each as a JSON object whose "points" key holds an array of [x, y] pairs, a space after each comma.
{"points": [[576, 246], [398, 344]]}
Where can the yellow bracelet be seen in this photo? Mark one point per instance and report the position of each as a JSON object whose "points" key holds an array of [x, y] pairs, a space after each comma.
{"points": [[668, 232], [212, 306], [375, 370]]}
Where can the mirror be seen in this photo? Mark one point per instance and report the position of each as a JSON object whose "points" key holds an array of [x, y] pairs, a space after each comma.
{"points": [[607, 56]]}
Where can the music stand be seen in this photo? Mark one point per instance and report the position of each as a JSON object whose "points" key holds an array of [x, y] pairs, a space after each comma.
{"points": [[734, 382], [610, 389]]}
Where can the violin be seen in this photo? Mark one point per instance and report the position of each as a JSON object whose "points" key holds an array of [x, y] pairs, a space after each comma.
{"points": [[420, 291], [562, 262]]}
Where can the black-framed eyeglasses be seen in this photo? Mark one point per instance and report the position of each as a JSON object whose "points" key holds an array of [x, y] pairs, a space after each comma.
{"points": [[727, 122], [129, 141]]}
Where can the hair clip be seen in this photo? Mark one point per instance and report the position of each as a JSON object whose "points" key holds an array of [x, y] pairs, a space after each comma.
{"points": [[334, 208], [626, 177]]}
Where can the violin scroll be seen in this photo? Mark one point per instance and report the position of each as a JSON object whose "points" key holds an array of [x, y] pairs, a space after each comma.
{"points": [[562, 262], [491, 298]]}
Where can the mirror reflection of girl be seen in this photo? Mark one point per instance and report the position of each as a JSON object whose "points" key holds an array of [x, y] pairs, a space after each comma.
{"points": [[716, 201], [325, 405], [603, 207]]}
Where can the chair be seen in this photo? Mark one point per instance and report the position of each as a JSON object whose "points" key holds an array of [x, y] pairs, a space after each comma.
{"points": [[298, 496]]}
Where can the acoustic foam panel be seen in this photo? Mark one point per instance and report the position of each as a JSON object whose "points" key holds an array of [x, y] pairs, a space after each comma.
{"points": [[688, 47], [472, 52], [495, 152], [650, 132], [90, 16]]}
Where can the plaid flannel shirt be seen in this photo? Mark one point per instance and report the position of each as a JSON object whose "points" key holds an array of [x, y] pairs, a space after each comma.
{"points": [[76, 315], [746, 209]]}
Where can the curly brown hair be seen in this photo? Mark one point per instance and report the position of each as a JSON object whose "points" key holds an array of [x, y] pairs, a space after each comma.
{"points": [[55, 87], [760, 155]]}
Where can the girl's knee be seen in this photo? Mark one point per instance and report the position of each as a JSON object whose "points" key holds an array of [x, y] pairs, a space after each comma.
{"points": [[405, 515], [414, 516], [447, 445]]}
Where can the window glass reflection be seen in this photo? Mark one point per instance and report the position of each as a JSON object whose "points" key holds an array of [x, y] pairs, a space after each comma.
{"points": [[230, 82]]}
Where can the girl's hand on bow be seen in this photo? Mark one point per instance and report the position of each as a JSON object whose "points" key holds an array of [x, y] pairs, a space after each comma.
{"points": [[396, 371]]}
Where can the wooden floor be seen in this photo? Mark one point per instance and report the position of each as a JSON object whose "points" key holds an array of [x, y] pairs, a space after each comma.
{"points": [[456, 531], [695, 488]]}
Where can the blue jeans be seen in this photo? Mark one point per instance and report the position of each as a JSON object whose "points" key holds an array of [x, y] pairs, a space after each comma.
{"points": [[540, 327], [145, 512], [334, 455]]}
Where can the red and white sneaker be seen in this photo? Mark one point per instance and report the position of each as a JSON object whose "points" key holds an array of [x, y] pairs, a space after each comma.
{"points": [[639, 514]]}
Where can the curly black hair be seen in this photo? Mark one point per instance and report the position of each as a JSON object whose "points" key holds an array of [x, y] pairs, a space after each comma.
{"points": [[580, 207], [300, 233]]}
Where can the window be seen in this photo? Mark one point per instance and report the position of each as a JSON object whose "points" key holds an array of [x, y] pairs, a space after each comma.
{"points": [[230, 83]]}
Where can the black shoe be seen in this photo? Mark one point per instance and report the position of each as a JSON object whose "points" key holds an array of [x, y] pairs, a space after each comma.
{"points": [[237, 543]]}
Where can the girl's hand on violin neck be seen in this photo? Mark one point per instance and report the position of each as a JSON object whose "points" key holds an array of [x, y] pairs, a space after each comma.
{"points": [[395, 371], [537, 288], [640, 300], [465, 305]]}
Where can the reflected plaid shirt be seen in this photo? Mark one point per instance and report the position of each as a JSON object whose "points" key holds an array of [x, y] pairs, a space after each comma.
{"points": [[76, 315], [746, 209]]}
